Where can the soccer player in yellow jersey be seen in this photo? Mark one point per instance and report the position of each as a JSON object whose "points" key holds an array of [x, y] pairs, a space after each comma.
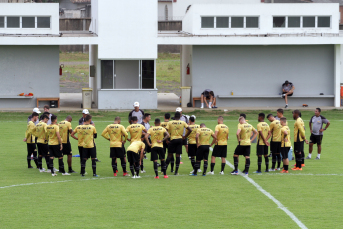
{"points": [[299, 138], [30, 140], [158, 136], [42, 143], [166, 142], [135, 130], [244, 142], [135, 155], [203, 137], [262, 142], [55, 145], [220, 149], [79, 138], [117, 136], [89, 134], [275, 143], [175, 129], [192, 143], [285, 143], [65, 130]]}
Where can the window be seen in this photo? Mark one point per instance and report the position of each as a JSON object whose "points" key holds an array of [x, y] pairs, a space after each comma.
{"points": [[293, 22], [279, 22], [207, 22], [323, 22], [251, 22], [43, 22], [28, 22], [2, 22], [107, 74], [237, 22], [148, 74], [309, 22], [222, 22], [13, 22]]}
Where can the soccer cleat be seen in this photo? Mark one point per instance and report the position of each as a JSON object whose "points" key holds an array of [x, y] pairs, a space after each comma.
{"points": [[191, 171], [271, 170], [199, 171], [296, 168], [203, 174], [245, 173], [210, 173], [95, 175], [202, 107], [97, 160], [126, 174], [54, 174], [266, 171], [317, 158], [157, 177], [56, 170], [176, 174], [143, 171], [257, 171], [82, 175], [134, 177], [114, 174], [284, 171], [165, 176], [286, 106], [158, 165], [302, 165], [65, 174], [278, 169], [30, 167], [171, 171], [221, 173], [138, 177], [192, 174], [308, 157], [48, 171], [71, 171], [42, 170], [234, 172], [214, 107]]}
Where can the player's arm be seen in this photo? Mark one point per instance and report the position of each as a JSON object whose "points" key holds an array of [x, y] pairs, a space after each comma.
{"points": [[326, 126], [189, 131], [302, 131], [254, 134], [197, 139], [125, 134], [265, 140], [285, 136], [292, 89], [166, 136], [73, 135], [214, 139], [105, 134], [238, 135], [141, 155], [59, 140], [214, 136], [146, 137], [310, 124]]}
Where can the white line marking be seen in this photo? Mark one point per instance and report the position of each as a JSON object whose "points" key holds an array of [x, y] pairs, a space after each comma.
{"points": [[278, 203]]}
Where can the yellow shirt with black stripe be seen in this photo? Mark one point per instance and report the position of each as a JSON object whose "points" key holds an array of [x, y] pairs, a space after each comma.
{"points": [[78, 131], [222, 135], [30, 133], [136, 146], [156, 133], [264, 128], [41, 129], [65, 126], [283, 143], [245, 134], [299, 130], [115, 133], [88, 132], [175, 129], [51, 131], [275, 129], [135, 131], [191, 136], [204, 135]]}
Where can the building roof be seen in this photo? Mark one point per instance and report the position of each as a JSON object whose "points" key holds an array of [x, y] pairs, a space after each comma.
{"points": [[165, 0], [80, 1]]}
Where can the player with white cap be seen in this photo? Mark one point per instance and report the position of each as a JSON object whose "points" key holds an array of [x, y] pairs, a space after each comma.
{"points": [[136, 112]]}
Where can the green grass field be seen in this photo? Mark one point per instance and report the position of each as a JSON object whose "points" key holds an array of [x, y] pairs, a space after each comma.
{"points": [[30, 199]]}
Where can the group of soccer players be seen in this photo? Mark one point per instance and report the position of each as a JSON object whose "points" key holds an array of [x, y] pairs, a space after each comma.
{"points": [[167, 138]]}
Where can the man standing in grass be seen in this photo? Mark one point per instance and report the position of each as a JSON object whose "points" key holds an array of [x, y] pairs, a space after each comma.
{"points": [[317, 131], [220, 149], [30, 140], [89, 134], [42, 144], [166, 142], [192, 144], [115, 133], [79, 138], [275, 143], [65, 130], [285, 143], [244, 143], [135, 156], [136, 112], [262, 142], [203, 143], [55, 145], [299, 138], [158, 135]]}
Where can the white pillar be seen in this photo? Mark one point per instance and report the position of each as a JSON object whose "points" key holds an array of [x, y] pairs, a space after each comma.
{"points": [[337, 77]]}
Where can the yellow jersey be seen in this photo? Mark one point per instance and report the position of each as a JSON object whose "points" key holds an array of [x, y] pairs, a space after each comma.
{"points": [[30, 133], [88, 132], [135, 131], [222, 135], [245, 134], [164, 124], [51, 132], [136, 147], [65, 126], [41, 132], [191, 136], [156, 133], [299, 130], [175, 129], [204, 136], [115, 133], [283, 143], [275, 128], [264, 127], [78, 131]]}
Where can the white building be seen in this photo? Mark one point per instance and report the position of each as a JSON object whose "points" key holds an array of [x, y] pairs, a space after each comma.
{"points": [[243, 47]]}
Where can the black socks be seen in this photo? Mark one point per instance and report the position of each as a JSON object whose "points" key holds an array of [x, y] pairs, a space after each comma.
{"points": [[193, 162], [40, 163], [177, 164], [212, 166], [155, 168], [114, 165], [259, 163], [235, 162], [205, 167], [196, 167], [94, 166], [223, 167], [278, 158], [273, 160], [51, 165], [131, 169], [61, 165], [247, 164], [164, 168], [123, 164], [267, 162]]}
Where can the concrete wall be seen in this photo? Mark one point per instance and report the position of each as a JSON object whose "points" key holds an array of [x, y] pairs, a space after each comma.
{"points": [[38, 9], [261, 70], [192, 20], [162, 11], [124, 99], [170, 25], [28, 69], [76, 24], [127, 72]]}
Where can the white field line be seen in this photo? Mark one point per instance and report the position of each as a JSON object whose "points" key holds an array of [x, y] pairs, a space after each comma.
{"points": [[278, 203]]}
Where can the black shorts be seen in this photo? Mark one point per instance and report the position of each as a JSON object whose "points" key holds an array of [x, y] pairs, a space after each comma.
{"points": [[43, 149], [219, 151], [202, 152], [175, 146], [184, 142], [261, 150], [157, 153], [89, 153], [133, 157], [55, 151], [275, 147], [117, 152], [316, 139], [147, 148], [298, 147], [80, 151], [242, 150], [31, 148], [67, 149], [165, 147], [284, 152], [287, 95], [192, 150]]}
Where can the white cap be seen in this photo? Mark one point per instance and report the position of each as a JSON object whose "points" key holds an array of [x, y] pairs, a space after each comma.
{"points": [[179, 109], [136, 104], [36, 110], [85, 111]]}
